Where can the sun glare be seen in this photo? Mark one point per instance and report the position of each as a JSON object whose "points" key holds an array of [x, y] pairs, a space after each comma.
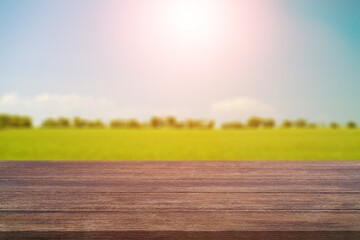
{"points": [[189, 36], [192, 20]]}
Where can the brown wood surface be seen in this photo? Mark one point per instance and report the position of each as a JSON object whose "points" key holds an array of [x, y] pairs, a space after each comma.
{"points": [[204, 198]]}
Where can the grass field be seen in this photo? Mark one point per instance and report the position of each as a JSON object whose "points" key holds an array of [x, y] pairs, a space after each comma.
{"points": [[106, 144]]}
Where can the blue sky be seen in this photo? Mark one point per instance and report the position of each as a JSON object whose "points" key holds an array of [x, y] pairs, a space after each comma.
{"points": [[275, 58]]}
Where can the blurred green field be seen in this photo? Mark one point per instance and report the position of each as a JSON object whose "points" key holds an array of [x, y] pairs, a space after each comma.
{"points": [[106, 144]]}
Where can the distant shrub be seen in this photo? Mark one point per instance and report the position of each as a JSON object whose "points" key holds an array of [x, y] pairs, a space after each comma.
{"points": [[312, 125], [125, 123], [118, 123], [5, 120], [60, 122], [199, 124], [167, 122], [255, 122], [351, 124], [49, 123], [180, 125], [232, 125], [269, 123], [79, 122], [15, 121], [64, 122], [133, 123], [334, 125], [170, 122], [210, 124], [157, 122], [94, 123], [300, 123], [287, 124], [190, 123]]}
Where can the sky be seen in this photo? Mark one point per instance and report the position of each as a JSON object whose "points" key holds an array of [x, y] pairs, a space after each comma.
{"points": [[214, 59]]}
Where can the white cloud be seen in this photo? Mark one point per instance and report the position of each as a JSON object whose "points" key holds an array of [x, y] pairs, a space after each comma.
{"points": [[9, 99], [53, 105], [241, 108], [243, 104], [69, 103]]}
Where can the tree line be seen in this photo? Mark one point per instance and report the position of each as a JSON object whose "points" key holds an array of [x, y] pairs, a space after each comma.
{"points": [[258, 122], [154, 122], [15, 121], [76, 122], [22, 121]]}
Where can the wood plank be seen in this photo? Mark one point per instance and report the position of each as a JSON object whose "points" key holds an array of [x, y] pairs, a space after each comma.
{"points": [[109, 201], [178, 197], [181, 221], [180, 235], [183, 186], [182, 174], [186, 164], [177, 170]]}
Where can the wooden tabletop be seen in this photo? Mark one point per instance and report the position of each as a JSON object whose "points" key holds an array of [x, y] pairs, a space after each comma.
{"points": [[180, 200]]}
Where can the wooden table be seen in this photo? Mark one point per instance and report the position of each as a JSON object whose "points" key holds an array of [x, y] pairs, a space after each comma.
{"points": [[180, 200]]}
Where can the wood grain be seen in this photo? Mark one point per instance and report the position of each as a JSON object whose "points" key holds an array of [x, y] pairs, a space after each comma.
{"points": [[163, 198], [108, 201]]}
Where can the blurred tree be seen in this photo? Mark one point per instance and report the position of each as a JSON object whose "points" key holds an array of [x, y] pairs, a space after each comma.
{"points": [[15, 121], [300, 123], [211, 124], [287, 123], [170, 121], [94, 123], [199, 124], [334, 125], [232, 125], [49, 123], [156, 122], [79, 122], [269, 123], [118, 123], [26, 122], [180, 125], [312, 125], [351, 124], [133, 123], [254, 122], [63, 122], [190, 123], [5, 120]]}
